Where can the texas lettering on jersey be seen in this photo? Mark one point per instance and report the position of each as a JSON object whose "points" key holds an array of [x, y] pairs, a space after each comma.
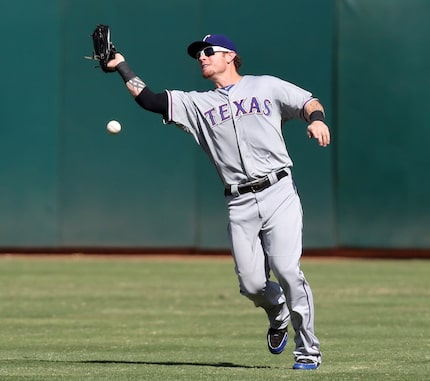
{"points": [[238, 108]]}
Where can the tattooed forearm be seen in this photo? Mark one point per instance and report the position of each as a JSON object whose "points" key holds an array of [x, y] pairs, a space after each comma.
{"points": [[135, 86], [313, 105]]}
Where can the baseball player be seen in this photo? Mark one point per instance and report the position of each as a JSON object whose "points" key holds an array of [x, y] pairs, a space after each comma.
{"points": [[239, 125]]}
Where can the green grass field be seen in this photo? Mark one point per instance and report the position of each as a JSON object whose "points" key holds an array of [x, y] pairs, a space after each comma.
{"points": [[85, 318]]}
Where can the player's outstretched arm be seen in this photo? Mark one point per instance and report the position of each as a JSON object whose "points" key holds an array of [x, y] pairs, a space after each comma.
{"points": [[314, 114], [137, 88], [134, 84]]}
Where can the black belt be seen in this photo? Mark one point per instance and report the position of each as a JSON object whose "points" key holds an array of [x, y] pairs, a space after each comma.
{"points": [[257, 185]]}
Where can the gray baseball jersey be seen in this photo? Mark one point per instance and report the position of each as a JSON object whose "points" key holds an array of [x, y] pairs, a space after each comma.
{"points": [[240, 128]]}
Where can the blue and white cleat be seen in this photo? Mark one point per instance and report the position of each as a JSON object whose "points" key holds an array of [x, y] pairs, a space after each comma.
{"points": [[307, 362], [277, 340]]}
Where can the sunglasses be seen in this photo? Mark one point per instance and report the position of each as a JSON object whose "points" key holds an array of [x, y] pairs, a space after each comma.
{"points": [[211, 50]]}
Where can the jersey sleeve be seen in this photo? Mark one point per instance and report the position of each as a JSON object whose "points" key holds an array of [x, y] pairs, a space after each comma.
{"points": [[181, 112], [292, 100]]}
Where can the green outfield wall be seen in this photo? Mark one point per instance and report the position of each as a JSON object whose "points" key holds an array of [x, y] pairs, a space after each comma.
{"points": [[66, 183], [383, 159]]}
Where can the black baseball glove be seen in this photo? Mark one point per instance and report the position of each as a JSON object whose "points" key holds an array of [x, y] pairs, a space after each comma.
{"points": [[104, 50]]}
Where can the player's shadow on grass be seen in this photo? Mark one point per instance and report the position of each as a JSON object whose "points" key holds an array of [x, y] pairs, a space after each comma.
{"points": [[176, 363]]}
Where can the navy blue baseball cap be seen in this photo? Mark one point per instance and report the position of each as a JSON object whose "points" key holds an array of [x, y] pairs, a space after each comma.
{"points": [[211, 40]]}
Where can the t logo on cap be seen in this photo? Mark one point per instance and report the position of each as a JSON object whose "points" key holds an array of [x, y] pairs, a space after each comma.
{"points": [[211, 40]]}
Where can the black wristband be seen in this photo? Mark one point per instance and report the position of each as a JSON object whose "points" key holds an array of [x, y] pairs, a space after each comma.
{"points": [[316, 115], [125, 71]]}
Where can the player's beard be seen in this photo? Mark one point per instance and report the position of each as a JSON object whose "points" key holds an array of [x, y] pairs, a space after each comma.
{"points": [[207, 72]]}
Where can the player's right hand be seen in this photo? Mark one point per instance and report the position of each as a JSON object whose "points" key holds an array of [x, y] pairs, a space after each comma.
{"points": [[113, 63]]}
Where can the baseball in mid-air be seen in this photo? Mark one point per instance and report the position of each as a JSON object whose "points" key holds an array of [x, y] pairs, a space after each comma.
{"points": [[113, 127]]}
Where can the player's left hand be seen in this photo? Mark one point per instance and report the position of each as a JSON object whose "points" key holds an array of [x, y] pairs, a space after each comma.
{"points": [[319, 131]]}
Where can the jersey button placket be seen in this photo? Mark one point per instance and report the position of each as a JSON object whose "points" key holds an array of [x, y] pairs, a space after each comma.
{"points": [[241, 139]]}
